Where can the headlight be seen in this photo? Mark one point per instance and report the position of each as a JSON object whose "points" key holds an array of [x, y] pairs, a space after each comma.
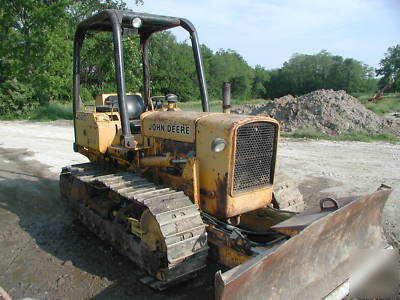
{"points": [[218, 145], [136, 22]]}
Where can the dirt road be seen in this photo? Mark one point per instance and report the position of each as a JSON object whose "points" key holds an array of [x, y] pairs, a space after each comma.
{"points": [[45, 256], [326, 168]]}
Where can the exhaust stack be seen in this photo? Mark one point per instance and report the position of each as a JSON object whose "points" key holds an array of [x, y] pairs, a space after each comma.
{"points": [[226, 98]]}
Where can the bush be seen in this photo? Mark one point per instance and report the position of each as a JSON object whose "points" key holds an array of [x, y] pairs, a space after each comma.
{"points": [[16, 98], [52, 111]]}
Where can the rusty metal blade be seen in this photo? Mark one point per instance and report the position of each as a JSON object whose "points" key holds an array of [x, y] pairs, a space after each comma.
{"points": [[314, 262]]}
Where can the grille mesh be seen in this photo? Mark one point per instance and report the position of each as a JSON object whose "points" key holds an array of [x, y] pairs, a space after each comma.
{"points": [[254, 156]]}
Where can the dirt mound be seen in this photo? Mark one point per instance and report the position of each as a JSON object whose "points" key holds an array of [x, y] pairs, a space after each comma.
{"points": [[328, 111]]}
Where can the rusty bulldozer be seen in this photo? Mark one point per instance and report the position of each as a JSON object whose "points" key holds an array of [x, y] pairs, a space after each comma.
{"points": [[170, 188]]}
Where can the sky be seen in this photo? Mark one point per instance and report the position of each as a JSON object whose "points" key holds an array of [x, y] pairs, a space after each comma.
{"points": [[269, 32]]}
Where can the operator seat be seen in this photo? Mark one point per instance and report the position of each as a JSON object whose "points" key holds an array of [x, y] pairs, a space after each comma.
{"points": [[135, 107], [134, 104]]}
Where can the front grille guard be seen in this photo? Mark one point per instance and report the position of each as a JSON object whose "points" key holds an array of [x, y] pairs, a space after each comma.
{"points": [[254, 156]]}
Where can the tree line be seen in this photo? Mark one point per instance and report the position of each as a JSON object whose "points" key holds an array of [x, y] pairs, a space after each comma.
{"points": [[36, 61]]}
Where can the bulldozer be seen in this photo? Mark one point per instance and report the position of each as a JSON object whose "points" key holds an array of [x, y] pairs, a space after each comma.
{"points": [[173, 190]]}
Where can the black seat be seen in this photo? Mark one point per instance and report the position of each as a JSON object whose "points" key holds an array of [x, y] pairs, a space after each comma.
{"points": [[134, 104]]}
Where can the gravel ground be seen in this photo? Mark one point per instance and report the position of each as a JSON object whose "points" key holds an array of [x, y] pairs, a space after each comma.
{"points": [[45, 256], [338, 169]]}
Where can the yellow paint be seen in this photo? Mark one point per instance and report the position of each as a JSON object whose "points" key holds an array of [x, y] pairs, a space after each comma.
{"points": [[217, 168], [152, 234], [206, 178], [156, 161], [135, 227], [173, 125], [97, 131]]}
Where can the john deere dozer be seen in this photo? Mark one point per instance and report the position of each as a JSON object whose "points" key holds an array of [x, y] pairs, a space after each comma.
{"points": [[168, 188]]}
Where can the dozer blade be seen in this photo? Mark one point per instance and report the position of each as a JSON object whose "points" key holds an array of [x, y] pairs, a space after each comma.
{"points": [[314, 262]]}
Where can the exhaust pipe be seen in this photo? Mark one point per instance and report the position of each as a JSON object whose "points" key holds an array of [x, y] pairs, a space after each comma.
{"points": [[226, 98]]}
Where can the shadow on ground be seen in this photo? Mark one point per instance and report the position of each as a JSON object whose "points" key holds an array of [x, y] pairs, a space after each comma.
{"points": [[44, 254], [313, 188]]}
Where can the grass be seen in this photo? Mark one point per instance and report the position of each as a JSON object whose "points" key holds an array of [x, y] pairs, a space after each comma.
{"points": [[216, 105], [348, 136], [51, 112], [390, 102]]}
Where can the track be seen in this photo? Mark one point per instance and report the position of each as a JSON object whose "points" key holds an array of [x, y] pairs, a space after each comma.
{"points": [[104, 199]]}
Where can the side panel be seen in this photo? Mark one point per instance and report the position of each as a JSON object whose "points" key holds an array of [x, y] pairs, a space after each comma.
{"points": [[172, 125], [97, 131]]}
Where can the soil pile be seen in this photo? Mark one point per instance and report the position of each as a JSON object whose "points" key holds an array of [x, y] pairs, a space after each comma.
{"points": [[328, 111]]}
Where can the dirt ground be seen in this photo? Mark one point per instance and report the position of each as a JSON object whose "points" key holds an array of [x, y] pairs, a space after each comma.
{"points": [[326, 111], [43, 255]]}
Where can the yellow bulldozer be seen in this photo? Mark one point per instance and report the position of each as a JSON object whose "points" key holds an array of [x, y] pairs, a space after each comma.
{"points": [[175, 190]]}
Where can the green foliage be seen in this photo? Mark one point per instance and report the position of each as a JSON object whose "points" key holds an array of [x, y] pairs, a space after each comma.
{"points": [[16, 98], [36, 45], [97, 71], [305, 73], [260, 82], [390, 69], [32, 43], [172, 68], [51, 112], [348, 136], [229, 66], [36, 49]]}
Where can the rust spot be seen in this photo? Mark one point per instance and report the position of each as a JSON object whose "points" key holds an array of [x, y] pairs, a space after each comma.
{"points": [[221, 194], [343, 232], [178, 183], [206, 193]]}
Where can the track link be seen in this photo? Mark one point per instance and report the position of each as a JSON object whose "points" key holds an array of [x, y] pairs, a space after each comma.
{"points": [[93, 192]]}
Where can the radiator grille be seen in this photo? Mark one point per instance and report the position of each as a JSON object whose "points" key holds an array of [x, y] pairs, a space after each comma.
{"points": [[254, 157]]}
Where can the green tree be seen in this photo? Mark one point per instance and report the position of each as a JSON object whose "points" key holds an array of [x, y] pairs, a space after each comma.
{"points": [[172, 67], [358, 77], [36, 46], [261, 79], [229, 66], [30, 31], [36, 57], [16, 98], [305, 73], [390, 68]]}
